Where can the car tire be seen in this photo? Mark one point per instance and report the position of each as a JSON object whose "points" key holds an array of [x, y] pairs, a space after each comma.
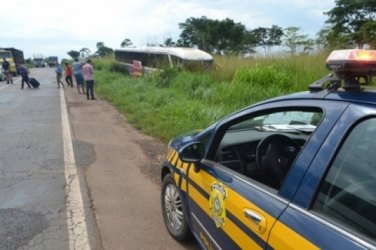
{"points": [[173, 210]]}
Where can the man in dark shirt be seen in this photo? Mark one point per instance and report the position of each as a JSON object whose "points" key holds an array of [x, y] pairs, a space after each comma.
{"points": [[5, 65], [25, 76], [6, 68]]}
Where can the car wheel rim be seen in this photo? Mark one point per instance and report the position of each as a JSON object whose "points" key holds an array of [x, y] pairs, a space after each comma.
{"points": [[173, 207]]}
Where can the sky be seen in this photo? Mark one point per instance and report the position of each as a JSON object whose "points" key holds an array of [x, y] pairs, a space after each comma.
{"points": [[53, 28]]}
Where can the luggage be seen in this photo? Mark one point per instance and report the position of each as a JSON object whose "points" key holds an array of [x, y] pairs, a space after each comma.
{"points": [[34, 82]]}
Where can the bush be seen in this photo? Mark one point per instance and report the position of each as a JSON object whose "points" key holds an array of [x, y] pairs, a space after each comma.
{"points": [[164, 78], [119, 68], [265, 76], [172, 101]]}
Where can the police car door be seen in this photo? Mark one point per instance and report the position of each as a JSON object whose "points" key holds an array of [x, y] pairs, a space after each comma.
{"points": [[337, 196], [232, 205]]}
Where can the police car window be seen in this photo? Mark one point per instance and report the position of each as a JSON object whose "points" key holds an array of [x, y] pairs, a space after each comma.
{"points": [[288, 120], [264, 147], [347, 195]]}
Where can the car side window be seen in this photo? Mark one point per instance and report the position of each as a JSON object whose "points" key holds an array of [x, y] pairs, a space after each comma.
{"points": [[347, 196], [263, 147]]}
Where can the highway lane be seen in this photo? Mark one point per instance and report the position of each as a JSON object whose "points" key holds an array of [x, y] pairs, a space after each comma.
{"points": [[75, 177], [35, 201]]}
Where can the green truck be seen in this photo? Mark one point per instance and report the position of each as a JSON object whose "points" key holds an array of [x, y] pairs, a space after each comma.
{"points": [[14, 56]]}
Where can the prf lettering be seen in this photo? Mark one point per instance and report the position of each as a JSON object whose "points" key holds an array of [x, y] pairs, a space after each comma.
{"points": [[206, 242]]}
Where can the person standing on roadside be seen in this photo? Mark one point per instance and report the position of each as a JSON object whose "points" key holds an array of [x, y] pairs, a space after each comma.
{"points": [[77, 72], [88, 72], [6, 69], [59, 75], [24, 72], [68, 75]]}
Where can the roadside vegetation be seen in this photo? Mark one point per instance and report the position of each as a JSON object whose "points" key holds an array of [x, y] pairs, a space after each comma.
{"points": [[173, 102]]}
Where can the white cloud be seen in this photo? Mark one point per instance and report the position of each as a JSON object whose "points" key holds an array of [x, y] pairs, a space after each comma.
{"points": [[48, 27]]}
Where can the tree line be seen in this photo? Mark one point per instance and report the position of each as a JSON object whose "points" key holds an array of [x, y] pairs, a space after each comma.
{"points": [[102, 51], [350, 24]]}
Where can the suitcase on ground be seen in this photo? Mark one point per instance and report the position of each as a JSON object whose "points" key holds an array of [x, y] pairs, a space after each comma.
{"points": [[34, 82]]}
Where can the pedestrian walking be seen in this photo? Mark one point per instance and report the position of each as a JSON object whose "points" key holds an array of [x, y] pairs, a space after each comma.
{"points": [[24, 72], [6, 69], [59, 75], [68, 75], [77, 72], [88, 72]]}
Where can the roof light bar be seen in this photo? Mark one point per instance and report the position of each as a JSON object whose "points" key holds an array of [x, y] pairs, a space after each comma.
{"points": [[352, 60], [351, 69]]}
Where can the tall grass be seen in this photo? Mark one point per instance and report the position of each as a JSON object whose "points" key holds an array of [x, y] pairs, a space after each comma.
{"points": [[172, 102]]}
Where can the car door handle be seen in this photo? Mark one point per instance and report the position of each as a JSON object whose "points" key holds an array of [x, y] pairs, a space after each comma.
{"points": [[258, 221]]}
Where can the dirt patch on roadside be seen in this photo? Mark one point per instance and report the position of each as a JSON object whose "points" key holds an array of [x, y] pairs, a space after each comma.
{"points": [[156, 152]]}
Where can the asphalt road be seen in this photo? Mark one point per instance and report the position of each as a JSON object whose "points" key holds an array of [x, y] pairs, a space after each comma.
{"points": [[74, 174]]}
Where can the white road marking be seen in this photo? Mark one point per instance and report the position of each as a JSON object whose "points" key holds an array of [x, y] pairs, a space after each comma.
{"points": [[7, 85], [77, 228]]}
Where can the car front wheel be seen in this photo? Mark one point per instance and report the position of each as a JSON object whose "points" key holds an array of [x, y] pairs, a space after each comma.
{"points": [[173, 210]]}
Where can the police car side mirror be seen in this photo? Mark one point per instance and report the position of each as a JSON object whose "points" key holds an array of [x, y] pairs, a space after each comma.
{"points": [[193, 153]]}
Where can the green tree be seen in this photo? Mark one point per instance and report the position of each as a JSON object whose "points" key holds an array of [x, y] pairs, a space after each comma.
{"points": [[196, 32], [230, 37], [126, 43], [296, 41], [169, 42], [214, 36], [73, 53], [250, 42], [352, 21], [327, 39], [102, 50], [85, 52], [267, 37], [369, 31]]}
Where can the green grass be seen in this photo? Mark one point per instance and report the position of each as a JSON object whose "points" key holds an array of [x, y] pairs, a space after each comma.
{"points": [[173, 102]]}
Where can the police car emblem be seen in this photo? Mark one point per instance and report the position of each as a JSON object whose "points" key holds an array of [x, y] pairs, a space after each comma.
{"points": [[217, 203]]}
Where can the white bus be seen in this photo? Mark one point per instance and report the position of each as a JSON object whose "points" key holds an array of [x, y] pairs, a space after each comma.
{"points": [[154, 58]]}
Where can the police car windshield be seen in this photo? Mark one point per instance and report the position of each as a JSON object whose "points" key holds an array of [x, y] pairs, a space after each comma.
{"points": [[292, 121]]}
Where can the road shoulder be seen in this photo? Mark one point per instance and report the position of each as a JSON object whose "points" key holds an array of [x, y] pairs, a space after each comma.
{"points": [[122, 173]]}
